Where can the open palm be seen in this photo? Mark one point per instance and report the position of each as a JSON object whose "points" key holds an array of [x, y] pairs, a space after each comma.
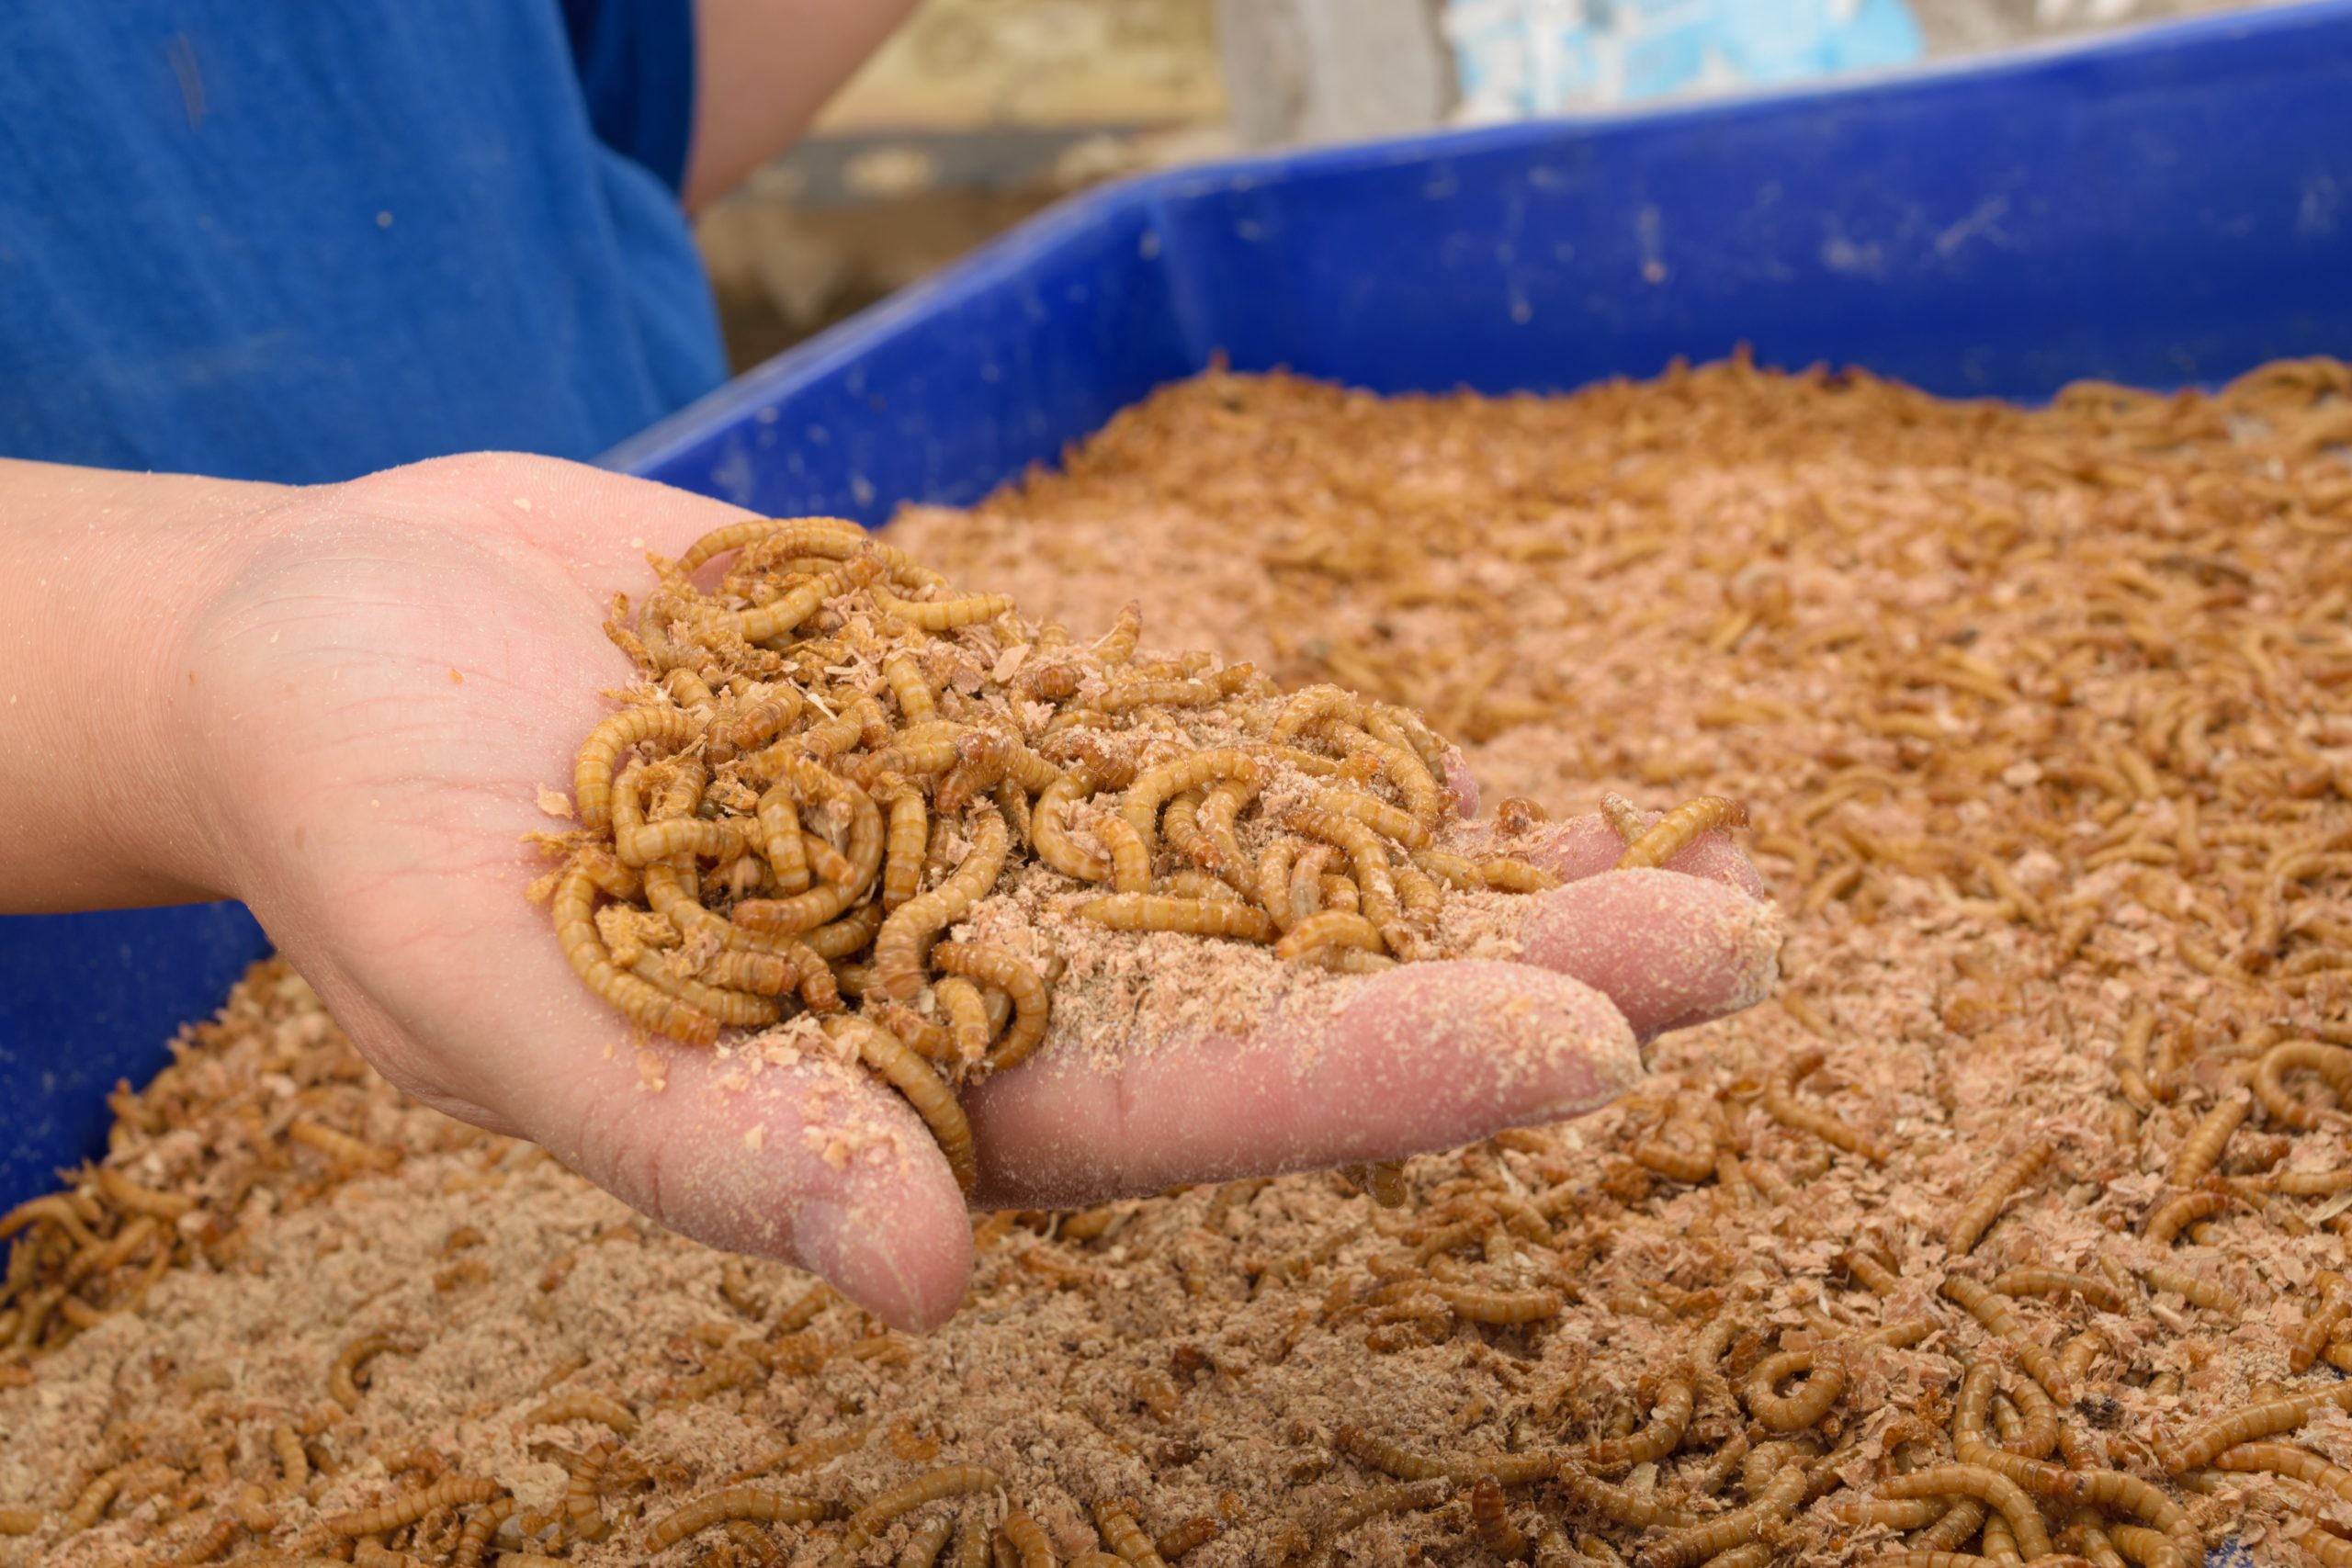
{"points": [[381, 697]]}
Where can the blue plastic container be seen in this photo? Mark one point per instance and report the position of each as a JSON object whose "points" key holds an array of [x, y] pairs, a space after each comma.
{"points": [[2171, 206]]}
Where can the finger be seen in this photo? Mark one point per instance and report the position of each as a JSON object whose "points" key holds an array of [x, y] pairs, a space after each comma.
{"points": [[1671, 950], [1419, 1057], [1586, 846]]}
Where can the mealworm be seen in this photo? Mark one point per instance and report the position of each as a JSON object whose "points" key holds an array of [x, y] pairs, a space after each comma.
{"points": [[1331, 929], [1139, 806], [1003, 970], [889, 1057], [1499, 1306], [1623, 816], [2251, 1422], [583, 1498], [1193, 1533], [1875, 1277], [1988, 1486], [293, 1464], [1915, 1559], [2189, 1288], [2320, 1327], [342, 1146], [1049, 829], [1492, 1521], [1679, 829], [1741, 1526], [16, 1520], [1692, 1164], [729, 1008], [2331, 1064], [2086, 1537], [928, 1539], [2113, 1489], [2296, 1464], [760, 973], [971, 1539], [591, 771], [1669, 1420], [2052, 1281], [1117, 1523], [967, 1016], [2150, 1547], [1886, 1513], [342, 1377], [2170, 1219], [53, 1209], [407, 1507], [1781, 1103], [644, 1004], [1196, 916], [2202, 1148], [474, 1539], [897, 947], [922, 1036], [943, 615], [1795, 1412], [129, 1195], [835, 536], [1508, 874], [1029, 1539], [765, 1504], [1378, 1453], [1978, 1215], [1625, 1505], [1995, 1314]]}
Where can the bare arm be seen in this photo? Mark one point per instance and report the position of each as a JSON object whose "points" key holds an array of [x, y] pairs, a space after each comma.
{"points": [[764, 69]]}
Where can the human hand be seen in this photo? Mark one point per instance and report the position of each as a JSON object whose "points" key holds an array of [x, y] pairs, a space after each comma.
{"points": [[401, 664]]}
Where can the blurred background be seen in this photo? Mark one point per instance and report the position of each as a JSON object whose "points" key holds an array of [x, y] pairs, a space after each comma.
{"points": [[982, 111]]}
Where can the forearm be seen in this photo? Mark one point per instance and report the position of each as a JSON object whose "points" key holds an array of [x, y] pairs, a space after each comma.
{"points": [[764, 69], [99, 574]]}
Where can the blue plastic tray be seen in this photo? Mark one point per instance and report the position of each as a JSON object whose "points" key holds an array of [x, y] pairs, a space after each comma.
{"points": [[2171, 206]]}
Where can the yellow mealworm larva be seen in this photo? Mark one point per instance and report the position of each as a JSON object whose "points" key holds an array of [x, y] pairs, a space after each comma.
{"points": [[834, 536], [1027, 1538], [407, 1507], [1333, 928], [2247, 1423], [1687, 1162], [1387, 820], [765, 1504], [1130, 695], [1302, 899], [1781, 1103], [778, 817], [2321, 1324], [1491, 1519], [2052, 1281], [1508, 874], [2181, 1213], [1188, 882], [762, 973], [1824, 1384], [905, 842], [16, 1520], [1678, 828], [342, 1377], [89, 1505], [1130, 856], [1624, 819], [1976, 1216], [473, 1540], [1006, 971], [2115, 1490], [897, 947], [341, 1146], [1988, 1486], [129, 1195], [2331, 1064], [920, 1035], [1995, 1314], [2151, 1549], [1499, 1306], [1189, 1536], [908, 687], [1198, 917], [583, 1498], [943, 615], [1688, 1548], [732, 1009], [1139, 805], [968, 1017], [1378, 1453], [1120, 1532], [1874, 1276], [1049, 829], [947, 1480], [1625, 1505], [645, 1005], [2285, 1459], [888, 1056], [591, 772], [293, 1464], [2201, 1150], [1223, 857], [1669, 1419], [2191, 1289], [602, 1409]]}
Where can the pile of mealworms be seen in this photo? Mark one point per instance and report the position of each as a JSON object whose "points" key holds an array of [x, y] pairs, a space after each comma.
{"points": [[832, 760], [2014, 1230]]}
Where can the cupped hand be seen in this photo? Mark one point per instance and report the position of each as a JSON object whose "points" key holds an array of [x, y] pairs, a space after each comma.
{"points": [[373, 707]]}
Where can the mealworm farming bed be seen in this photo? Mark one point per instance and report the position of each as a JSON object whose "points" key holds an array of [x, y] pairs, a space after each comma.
{"points": [[2013, 1228]]}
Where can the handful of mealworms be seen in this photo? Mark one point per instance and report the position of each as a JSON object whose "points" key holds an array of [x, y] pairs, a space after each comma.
{"points": [[832, 759]]}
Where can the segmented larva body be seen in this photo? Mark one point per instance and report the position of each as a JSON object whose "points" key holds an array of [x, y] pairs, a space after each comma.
{"points": [[1049, 829], [1824, 1372], [2331, 1064], [2177, 1216], [583, 947], [1195, 917], [407, 1507], [2004, 1495], [591, 772], [1028, 1539], [1993, 1313], [2191, 1289], [1679, 829], [1977, 1215], [1669, 1419], [1499, 1306], [1005, 971], [1189, 1536], [473, 1540], [2248, 1424], [1491, 1519], [1317, 934], [1378, 1453], [1139, 806], [765, 1504], [1781, 1103], [891, 1060], [2321, 1324], [342, 1146], [1627, 1505], [2201, 1150], [1741, 1526], [897, 947], [343, 1376], [2053, 1281], [1121, 1535], [2296, 1464]]}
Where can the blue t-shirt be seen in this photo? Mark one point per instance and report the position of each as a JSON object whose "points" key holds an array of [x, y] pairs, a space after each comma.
{"points": [[301, 239]]}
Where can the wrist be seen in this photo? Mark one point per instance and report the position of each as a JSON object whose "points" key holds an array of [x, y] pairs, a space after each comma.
{"points": [[105, 774]]}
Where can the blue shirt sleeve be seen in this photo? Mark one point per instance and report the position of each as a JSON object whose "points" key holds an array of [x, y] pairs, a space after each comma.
{"points": [[636, 60]]}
